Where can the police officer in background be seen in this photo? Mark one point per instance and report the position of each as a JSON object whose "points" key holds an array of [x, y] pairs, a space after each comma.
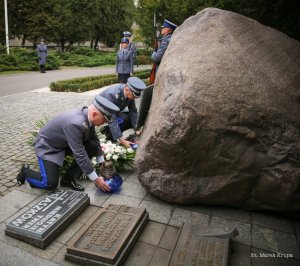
{"points": [[166, 31], [124, 62], [42, 52], [71, 132], [131, 46], [123, 95]]}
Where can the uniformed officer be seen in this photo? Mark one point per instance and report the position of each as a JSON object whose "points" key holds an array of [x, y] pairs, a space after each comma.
{"points": [[123, 95], [167, 31], [71, 132], [42, 52], [131, 46], [124, 62]]}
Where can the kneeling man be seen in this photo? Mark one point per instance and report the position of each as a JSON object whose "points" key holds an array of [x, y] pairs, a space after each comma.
{"points": [[71, 132]]}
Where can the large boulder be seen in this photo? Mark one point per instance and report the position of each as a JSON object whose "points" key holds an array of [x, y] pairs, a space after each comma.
{"points": [[224, 123]]}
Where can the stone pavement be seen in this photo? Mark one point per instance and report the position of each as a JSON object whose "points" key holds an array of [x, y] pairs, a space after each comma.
{"points": [[262, 235]]}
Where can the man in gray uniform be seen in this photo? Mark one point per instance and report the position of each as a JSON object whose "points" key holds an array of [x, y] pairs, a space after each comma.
{"points": [[42, 52], [71, 132], [123, 95], [167, 31]]}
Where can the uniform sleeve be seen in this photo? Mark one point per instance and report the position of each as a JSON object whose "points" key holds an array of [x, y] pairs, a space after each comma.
{"points": [[117, 62], [46, 51], [38, 50], [115, 128], [134, 50], [131, 62], [74, 136], [157, 56]]}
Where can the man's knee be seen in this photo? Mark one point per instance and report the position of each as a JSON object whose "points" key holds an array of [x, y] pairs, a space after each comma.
{"points": [[51, 185]]}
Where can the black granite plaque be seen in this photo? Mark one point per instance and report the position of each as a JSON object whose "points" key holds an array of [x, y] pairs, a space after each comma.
{"points": [[108, 237], [191, 249], [41, 223]]}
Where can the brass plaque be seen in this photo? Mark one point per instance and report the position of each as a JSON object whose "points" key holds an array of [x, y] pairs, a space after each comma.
{"points": [[192, 249], [108, 236]]}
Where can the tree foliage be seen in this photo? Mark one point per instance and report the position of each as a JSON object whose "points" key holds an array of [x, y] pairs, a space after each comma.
{"points": [[66, 22], [283, 15]]}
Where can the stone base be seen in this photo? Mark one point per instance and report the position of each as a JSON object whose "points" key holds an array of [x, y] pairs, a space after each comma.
{"points": [[191, 248], [109, 236], [71, 204]]}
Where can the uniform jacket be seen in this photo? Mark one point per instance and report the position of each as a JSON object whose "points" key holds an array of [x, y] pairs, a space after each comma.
{"points": [[157, 56], [42, 52], [115, 94], [131, 47], [69, 129], [124, 62]]}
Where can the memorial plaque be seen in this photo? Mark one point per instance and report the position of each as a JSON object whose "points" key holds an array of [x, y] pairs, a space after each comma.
{"points": [[40, 224], [193, 249], [108, 237]]}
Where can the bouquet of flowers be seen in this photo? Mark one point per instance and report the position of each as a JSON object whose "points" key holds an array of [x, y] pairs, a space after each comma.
{"points": [[117, 154]]}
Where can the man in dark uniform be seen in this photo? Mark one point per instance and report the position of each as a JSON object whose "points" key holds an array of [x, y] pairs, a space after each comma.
{"points": [[123, 95], [71, 132], [167, 31], [131, 46]]}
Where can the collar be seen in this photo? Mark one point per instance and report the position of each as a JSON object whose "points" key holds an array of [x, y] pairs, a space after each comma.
{"points": [[85, 112]]}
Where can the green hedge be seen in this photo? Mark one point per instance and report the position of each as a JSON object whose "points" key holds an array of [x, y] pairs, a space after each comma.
{"points": [[91, 82]]}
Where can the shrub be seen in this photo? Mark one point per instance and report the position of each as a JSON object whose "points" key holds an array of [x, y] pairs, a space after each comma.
{"points": [[90, 83]]}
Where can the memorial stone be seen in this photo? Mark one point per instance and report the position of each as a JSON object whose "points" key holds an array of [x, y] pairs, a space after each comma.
{"points": [[43, 222], [108, 237], [192, 248]]}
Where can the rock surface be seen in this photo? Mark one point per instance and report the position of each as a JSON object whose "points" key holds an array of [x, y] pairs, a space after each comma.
{"points": [[224, 123]]}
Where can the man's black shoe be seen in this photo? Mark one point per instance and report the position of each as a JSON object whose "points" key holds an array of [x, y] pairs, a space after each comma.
{"points": [[71, 183], [21, 175]]}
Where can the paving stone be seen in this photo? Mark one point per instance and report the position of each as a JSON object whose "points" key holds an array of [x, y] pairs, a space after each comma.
{"points": [[48, 253], [133, 178], [179, 216], [69, 232], [12, 202], [272, 221], [244, 236], [141, 254], [59, 258], [169, 237], [13, 256], [97, 197], [10, 184], [118, 199], [205, 209], [34, 191], [150, 197], [152, 233], [87, 214], [232, 214], [133, 190], [275, 241], [240, 255], [160, 258], [261, 257], [157, 212]]}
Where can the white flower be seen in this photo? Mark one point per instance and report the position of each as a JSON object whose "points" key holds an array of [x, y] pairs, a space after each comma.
{"points": [[108, 156], [115, 157], [130, 150]]}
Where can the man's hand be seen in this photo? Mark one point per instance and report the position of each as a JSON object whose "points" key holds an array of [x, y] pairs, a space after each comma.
{"points": [[125, 143], [100, 183]]}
